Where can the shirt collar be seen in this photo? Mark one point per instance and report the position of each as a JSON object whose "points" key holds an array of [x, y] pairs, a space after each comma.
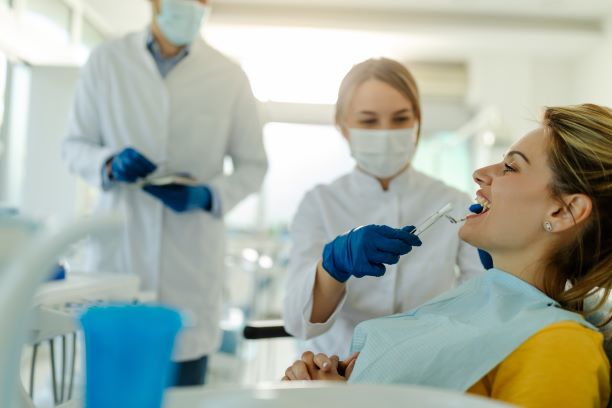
{"points": [[154, 48]]}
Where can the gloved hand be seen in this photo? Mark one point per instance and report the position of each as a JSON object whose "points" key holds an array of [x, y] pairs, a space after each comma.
{"points": [[485, 258], [129, 165], [181, 198], [363, 251]]}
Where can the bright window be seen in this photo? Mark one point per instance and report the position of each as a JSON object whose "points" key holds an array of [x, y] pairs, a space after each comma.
{"points": [[300, 156], [300, 65], [3, 67], [448, 158]]}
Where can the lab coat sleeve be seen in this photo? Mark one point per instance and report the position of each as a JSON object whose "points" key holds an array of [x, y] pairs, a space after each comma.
{"points": [[245, 148], [308, 239], [83, 148]]}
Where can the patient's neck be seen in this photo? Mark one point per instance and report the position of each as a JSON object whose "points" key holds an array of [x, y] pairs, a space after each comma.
{"points": [[528, 265]]}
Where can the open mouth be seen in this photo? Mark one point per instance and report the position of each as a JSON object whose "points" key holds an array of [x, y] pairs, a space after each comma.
{"points": [[485, 206]]}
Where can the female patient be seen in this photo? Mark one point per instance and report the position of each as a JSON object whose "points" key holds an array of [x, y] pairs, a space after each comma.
{"points": [[516, 333]]}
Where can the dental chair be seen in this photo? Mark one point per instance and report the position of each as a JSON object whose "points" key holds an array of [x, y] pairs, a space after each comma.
{"points": [[25, 259], [268, 329], [309, 394], [264, 329], [596, 319]]}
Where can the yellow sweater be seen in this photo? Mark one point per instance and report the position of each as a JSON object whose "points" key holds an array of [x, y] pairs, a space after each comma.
{"points": [[562, 365]]}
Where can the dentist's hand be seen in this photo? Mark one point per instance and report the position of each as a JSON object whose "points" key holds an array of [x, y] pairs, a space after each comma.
{"points": [[129, 165], [181, 198], [363, 251], [485, 258]]}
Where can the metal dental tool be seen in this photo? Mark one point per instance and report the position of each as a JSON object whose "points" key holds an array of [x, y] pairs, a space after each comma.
{"points": [[474, 209], [442, 212], [454, 220]]}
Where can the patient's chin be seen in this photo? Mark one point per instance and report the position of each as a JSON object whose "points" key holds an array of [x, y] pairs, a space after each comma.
{"points": [[464, 232], [470, 235]]}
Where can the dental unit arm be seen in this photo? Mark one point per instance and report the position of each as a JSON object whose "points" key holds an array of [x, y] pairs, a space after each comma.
{"points": [[19, 280]]}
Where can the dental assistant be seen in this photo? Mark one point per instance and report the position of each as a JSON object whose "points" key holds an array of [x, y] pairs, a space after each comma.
{"points": [[163, 100], [337, 279]]}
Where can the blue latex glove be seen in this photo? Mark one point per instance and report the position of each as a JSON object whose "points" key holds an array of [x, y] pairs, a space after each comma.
{"points": [[58, 273], [363, 251], [182, 198], [485, 257], [130, 165]]}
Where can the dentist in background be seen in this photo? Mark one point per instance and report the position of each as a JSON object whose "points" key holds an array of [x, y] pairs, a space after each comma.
{"points": [[337, 279], [163, 100]]}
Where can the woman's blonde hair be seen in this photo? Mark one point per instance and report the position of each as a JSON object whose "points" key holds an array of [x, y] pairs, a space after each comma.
{"points": [[383, 69], [580, 156]]}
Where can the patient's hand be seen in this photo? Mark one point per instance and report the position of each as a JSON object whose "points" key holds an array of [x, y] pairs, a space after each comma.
{"points": [[320, 367]]}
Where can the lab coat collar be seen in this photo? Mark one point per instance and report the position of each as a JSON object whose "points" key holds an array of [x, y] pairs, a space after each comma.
{"points": [[196, 46], [140, 41], [370, 185], [152, 44]]}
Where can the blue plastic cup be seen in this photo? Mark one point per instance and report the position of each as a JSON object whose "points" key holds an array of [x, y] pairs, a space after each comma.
{"points": [[128, 350]]}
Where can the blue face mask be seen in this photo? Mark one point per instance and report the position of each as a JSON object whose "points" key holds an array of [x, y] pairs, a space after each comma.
{"points": [[180, 20]]}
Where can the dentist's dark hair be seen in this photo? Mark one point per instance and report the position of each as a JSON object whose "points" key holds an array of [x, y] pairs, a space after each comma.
{"points": [[580, 157]]}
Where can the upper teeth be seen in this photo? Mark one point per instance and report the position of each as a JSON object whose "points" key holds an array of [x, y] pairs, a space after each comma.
{"points": [[483, 202]]}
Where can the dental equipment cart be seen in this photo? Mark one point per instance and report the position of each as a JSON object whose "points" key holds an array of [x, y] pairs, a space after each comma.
{"points": [[57, 305]]}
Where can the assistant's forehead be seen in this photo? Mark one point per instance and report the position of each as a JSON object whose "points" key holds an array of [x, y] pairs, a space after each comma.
{"points": [[375, 95]]}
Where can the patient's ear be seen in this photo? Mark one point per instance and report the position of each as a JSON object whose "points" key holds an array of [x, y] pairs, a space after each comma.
{"points": [[577, 209]]}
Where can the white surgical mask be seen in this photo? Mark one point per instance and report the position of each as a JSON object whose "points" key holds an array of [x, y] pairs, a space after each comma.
{"points": [[180, 20], [383, 152]]}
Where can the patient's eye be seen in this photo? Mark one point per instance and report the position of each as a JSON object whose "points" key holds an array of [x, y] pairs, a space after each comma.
{"points": [[508, 168]]}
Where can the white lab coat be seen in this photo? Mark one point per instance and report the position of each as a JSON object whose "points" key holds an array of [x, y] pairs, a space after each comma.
{"points": [[358, 199], [201, 112]]}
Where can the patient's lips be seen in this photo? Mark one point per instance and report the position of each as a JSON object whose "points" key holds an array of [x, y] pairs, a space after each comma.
{"points": [[483, 200]]}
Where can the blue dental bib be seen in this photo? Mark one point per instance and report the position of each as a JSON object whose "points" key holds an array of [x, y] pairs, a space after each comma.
{"points": [[458, 337]]}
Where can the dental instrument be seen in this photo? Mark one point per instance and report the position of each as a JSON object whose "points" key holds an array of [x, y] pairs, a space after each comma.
{"points": [[432, 219], [474, 208], [442, 212]]}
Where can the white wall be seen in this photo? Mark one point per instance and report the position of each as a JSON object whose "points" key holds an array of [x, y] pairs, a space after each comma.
{"points": [[504, 81], [47, 190], [519, 86], [554, 82], [594, 72]]}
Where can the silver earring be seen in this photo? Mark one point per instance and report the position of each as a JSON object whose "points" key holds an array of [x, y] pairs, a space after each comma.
{"points": [[548, 226]]}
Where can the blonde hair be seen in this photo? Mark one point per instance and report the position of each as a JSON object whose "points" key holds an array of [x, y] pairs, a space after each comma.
{"points": [[580, 157], [383, 69]]}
